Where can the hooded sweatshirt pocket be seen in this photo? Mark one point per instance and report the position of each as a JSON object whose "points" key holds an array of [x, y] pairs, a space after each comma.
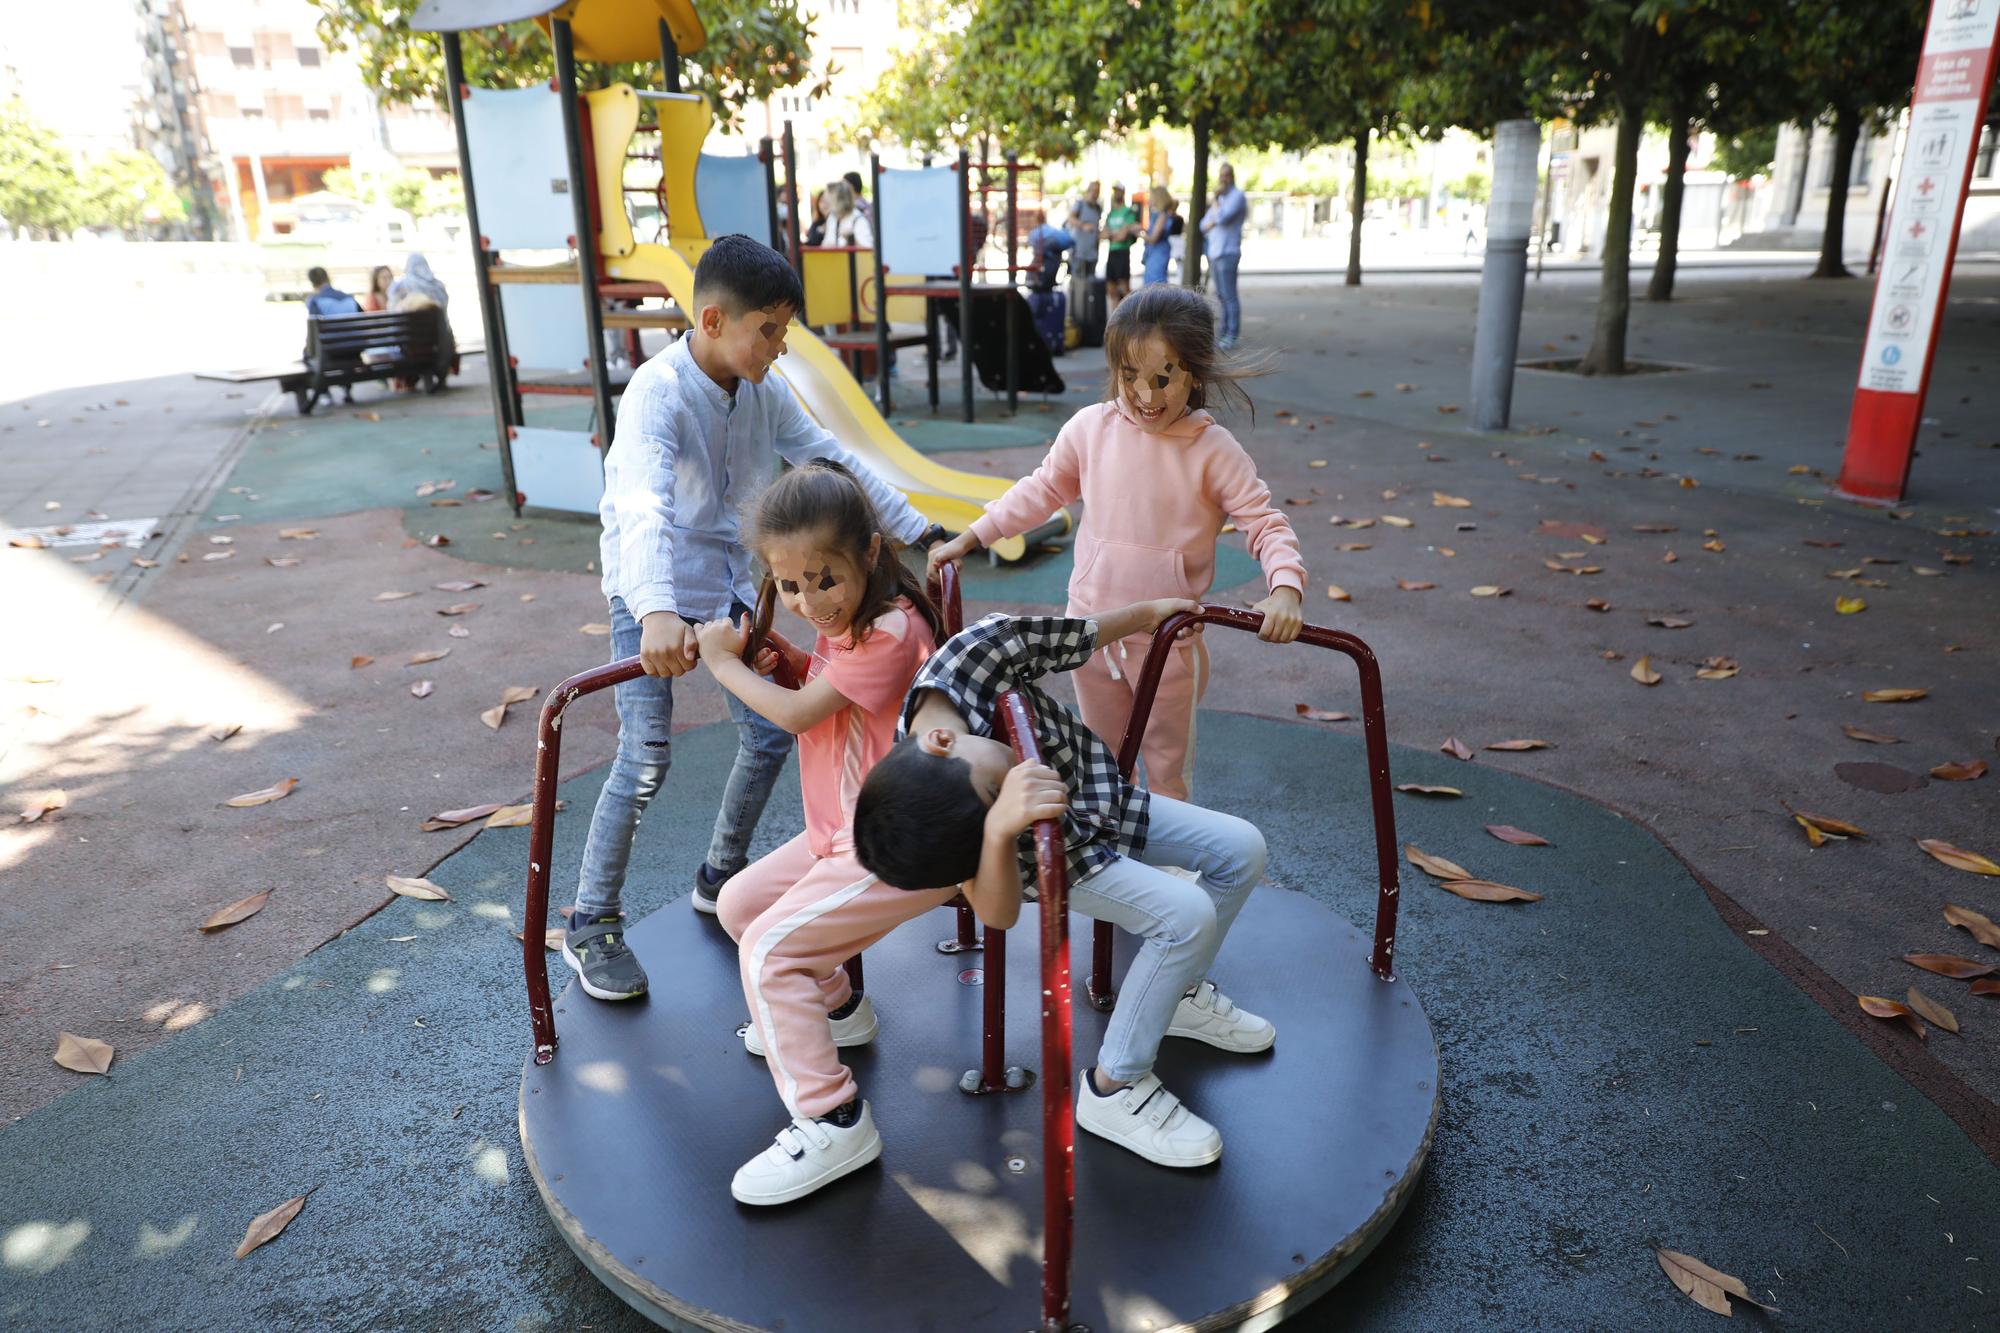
{"points": [[1111, 574]]}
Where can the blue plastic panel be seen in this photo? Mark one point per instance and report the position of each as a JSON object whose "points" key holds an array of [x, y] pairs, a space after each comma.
{"points": [[545, 329], [520, 169], [731, 194], [916, 220], [557, 469]]}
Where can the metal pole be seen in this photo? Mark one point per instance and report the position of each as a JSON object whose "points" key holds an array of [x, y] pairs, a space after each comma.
{"points": [[492, 319], [1058, 1119], [798, 201], [670, 59], [765, 156], [585, 239], [881, 291], [965, 277], [1013, 298], [1548, 190], [1503, 280], [1375, 729]]}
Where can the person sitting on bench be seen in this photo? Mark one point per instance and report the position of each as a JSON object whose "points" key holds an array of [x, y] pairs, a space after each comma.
{"points": [[327, 299]]}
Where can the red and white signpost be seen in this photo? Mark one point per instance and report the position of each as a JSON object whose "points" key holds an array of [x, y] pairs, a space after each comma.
{"points": [[1946, 113]]}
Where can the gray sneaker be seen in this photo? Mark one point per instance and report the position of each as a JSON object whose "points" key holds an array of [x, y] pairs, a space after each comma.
{"points": [[707, 895], [605, 968]]}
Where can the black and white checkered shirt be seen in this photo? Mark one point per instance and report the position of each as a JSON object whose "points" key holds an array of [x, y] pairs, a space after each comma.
{"points": [[1107, 815]]}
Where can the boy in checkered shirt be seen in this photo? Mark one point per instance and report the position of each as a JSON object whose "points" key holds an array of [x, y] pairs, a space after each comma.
{"points": [[948, 805]]}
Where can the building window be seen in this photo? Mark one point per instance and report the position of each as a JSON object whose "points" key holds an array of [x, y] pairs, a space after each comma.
{"points": [[1989, 145], [318, 113], [309, 56], [243, 56], [253, 113]]}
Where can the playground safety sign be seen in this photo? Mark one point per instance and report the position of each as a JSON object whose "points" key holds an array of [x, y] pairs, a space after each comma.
{"points": [[1947, 111]]}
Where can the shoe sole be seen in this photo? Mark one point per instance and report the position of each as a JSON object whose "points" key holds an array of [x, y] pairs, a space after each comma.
{"points": [[846, 1043], [1209, 1039], [799, 1191], [706, 906], [1181, 1163], [576, 965]]}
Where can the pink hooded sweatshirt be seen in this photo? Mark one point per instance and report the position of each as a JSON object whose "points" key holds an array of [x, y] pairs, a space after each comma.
{"points": [[1153, 507]]}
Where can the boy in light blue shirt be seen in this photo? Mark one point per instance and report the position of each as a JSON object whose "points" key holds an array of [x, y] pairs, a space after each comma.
{"points": [[701, 428]]}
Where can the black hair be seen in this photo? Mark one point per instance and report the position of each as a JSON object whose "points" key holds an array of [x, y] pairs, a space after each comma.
{"points": [[824, 497], [317, 276], [1186, 321], [739, 274], [853, 178], [918, 822]]}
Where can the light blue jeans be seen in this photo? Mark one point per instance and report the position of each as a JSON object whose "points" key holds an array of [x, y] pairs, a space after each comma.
{"points": [[645, 752], [1223, 269], [1182, 924]]}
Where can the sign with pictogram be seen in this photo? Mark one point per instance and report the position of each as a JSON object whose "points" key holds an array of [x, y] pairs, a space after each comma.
{"points": [[1946, 112]]}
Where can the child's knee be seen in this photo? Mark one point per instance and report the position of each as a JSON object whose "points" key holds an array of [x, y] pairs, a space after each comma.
{"points": [[1247, 853]]}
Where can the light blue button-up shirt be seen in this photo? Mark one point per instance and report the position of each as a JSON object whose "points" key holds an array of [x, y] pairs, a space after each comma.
{"points": [[1226, 236], [684, 459]]}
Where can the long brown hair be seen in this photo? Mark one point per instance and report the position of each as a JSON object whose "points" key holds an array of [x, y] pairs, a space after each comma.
{"points": [[1183, 318], [825, 498]]}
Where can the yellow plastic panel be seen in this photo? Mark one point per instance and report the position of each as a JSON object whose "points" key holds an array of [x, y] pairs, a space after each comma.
{"points": [[614, 114], [616, 31], [831, 297]]}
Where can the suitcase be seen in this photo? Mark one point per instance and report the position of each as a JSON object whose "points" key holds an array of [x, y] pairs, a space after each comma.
{"points": [[1090, 321], [1051, 311]]}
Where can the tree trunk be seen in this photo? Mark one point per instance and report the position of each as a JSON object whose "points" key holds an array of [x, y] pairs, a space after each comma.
{"points": [[1796, 196], [1360, 205], [1197, 204], [1661, 288], [1846, 133], [1614, 291]]}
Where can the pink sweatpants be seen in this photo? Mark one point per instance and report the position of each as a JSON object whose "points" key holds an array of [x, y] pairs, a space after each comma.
{"points": [[796, 919], [1104, 688]]}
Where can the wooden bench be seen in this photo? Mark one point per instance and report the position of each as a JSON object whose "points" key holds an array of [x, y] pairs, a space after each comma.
{"points": [[345, 350]]}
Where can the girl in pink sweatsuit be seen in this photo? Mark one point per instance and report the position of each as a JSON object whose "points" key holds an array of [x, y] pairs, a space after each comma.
{"points": [[801, 912], [1158, 478]]}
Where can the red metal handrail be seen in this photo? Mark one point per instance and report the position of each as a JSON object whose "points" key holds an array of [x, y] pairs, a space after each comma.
{"points": [[1058, 1126], [1376, 732]]}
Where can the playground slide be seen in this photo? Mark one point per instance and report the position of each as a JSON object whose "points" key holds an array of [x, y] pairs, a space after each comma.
{"points": [[822, 382]]}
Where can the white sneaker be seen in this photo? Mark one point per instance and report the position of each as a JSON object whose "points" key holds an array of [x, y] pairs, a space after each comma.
{"points": [[1148, 1120], [857, 1029], [806, 1155], [1209, 1015]]}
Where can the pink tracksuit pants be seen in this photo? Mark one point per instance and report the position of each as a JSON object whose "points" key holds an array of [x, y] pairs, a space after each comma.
{"points": [[1104, 688], [796, 919]]}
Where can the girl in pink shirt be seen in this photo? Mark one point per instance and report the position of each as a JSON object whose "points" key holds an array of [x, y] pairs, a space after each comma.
{"points": [[800, 913], [1158, 478]]}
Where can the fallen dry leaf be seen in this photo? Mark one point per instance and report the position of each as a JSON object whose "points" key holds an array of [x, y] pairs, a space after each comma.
{"points": [[1519, 837], [459, 585], [1931, 1011], [1524, 744], [1875, 1006], [1668, 622], [1958, 858], [85, 1055], [1337, 593], [1398, 521], [1321, 714], [392, 596], [28, 541], [1490, 590], [276, 792], [427, 655], [357, 662], [1422, 789], [1978, 925], [1439, 500], [1435, 865], [1669, 558], [1948, 965], [224, 732], [1986, 986], [453, 818], [596, 630], [1964, 770], [1486, 891], [1896, 696], [240, 910], [1847, 606], [274, 561], [1821, 827], [1456, 748], [1872, 737], [511, 816], [44, 805], [412, 887], [1409, 585], [459, 609], [1598, 604], [422, 689], [264, 1228], [1705, 1286], [1642, 671], [297, 534], [1655, 527]]}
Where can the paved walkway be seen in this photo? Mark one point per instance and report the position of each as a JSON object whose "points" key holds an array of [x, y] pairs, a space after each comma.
{"points": [[1764, 934]]}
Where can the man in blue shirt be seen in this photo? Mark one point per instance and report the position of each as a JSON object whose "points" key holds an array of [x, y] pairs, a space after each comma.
{"points": [[1047, 244], [327, 299], [1222, 240]]}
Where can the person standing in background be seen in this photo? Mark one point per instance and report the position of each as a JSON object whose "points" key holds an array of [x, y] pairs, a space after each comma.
{"points": [[1121, 226], [1222, 241], [1085, 221]]}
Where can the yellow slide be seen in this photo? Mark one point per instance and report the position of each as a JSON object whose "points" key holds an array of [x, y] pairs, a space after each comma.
{"points": [[814, 371]]}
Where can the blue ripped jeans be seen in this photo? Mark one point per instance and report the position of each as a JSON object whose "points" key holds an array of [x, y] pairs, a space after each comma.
{"points": [[645, 752]]}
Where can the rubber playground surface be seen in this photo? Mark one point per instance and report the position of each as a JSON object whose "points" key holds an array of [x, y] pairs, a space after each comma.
{"points": [[1620, 1071]]}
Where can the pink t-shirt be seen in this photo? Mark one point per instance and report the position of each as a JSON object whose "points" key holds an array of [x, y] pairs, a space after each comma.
{"points": [[835, 755]]}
